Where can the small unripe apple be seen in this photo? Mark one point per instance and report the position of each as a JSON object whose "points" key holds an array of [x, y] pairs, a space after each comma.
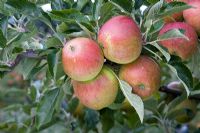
{"points": [[99, 92], [79, 111], [120, 39], [192, 15], [190, 110], [62, 27], [143, 75], [180, 46], [82, 59]]}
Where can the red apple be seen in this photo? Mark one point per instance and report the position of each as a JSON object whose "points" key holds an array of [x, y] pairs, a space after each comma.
{"points": [[180, 46], [99, 92], [143, 75], [192, 15], [82, 59], [120, 39]]}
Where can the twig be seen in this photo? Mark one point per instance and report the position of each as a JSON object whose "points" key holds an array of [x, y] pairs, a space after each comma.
{"points": [[177, 93], [28, 54]]}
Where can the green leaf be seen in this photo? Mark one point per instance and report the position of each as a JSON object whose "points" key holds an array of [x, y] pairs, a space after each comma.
{"points": [[176, 7], [59, 100], [67, 87], [81, 4], [68, 15], [91, 118], [26, 66], [107, 119], [3, 40], [4, 25], [133, 99], [154, 10], [72, 105], [194, 64], [175, 102], [183, 74], [106, 12], [24, 6], [163, 51], [52, 60], [125, 6], [46, 107], [86, 29], [53, 42], [96, 9], [172, 34]]}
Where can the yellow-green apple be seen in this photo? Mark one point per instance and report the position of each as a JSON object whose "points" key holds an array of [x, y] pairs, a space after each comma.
{"points": [[143, 75], [192, 15], [189, 107], [82, 59], [181, 47], [121, 39], [99, 92]]}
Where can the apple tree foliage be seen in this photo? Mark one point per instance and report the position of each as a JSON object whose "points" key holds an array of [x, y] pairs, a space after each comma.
{"points": [[40, 98]]}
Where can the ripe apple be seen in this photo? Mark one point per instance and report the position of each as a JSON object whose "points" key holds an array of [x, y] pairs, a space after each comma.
{"points": [[143, 75], [180, 46], [192, 15], [82, 59], [120, 39], [175, 16], [99, 92]]}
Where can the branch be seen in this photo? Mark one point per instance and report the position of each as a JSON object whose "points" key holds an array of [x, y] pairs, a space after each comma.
{"points": [[173, 92], [28, 54]]}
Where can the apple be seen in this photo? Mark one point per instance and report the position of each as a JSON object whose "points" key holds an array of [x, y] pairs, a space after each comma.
{"points": [[62, 27], [190, 109], [82, 59], [192, 15], [188, 106], [175, 16], [99, 92], [120, 39], [79, 111], [143, 75], [180, 46]]}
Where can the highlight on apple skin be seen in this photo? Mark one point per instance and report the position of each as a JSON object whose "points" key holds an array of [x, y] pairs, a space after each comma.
{"points": [[121, 39], [143, 75], [180, 46], [192, 15], [82, 59], [99, 92]]}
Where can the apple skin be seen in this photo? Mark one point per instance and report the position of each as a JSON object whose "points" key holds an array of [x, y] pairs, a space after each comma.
{"points": [[143, 75], [176, 16], [180, 46], [190, 106], [120, 39], [99, 92], [82, 59], [192, 15]]}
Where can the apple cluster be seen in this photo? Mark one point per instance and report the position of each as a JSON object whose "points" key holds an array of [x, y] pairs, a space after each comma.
{"points": [[119, 41]]}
